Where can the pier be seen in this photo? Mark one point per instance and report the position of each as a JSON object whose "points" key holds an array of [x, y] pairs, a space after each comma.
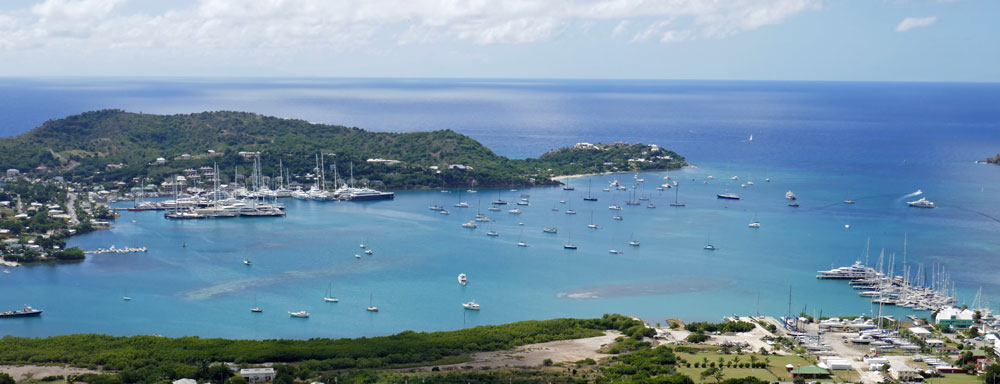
{"points": [[112, 249]]}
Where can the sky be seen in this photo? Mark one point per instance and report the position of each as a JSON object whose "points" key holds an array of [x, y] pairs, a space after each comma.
{"points": [[836, 40]]}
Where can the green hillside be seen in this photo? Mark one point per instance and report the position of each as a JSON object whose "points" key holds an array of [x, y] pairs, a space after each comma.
{"points": [[92, 145]]}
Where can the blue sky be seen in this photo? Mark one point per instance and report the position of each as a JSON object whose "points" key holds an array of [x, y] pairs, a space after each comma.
{"points": [[845, 40]]}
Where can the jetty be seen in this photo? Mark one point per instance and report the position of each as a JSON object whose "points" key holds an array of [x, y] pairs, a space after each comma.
{"points": [[112, 249]]}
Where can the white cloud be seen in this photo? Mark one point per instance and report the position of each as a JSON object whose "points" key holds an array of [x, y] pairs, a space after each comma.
{"points": [[287, 26], [915, 22]]}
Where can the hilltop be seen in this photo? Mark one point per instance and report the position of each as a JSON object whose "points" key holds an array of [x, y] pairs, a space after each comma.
{"points": [[114, 145]]}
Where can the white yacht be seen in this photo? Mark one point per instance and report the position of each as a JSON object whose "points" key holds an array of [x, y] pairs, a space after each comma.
{"points": [[471, 224], [592, 226], [472, 306], [462, 205], [515, 211], [492, 233], [922, 203], [755, 224], [710, 247], [852, 272], [462, 279], [789, 195], [302, 314], [247, 262], [522, 244], [634, 243], [550, 230]]}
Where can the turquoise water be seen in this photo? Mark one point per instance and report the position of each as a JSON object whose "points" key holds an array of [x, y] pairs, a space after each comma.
{"points": [[874, 143]]}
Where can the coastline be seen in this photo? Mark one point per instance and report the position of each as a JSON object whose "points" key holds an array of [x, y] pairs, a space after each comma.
{"points": [[573, 176]]}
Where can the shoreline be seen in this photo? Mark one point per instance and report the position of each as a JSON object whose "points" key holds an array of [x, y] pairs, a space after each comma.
{"points": [[573, 176]]}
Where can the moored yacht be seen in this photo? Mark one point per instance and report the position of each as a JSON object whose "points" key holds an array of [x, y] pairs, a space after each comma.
{"points": [[462, 279], [23, 312], [472, 306], [300, 314], [789, 195]]}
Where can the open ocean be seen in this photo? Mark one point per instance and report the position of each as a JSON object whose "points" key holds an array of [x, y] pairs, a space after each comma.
{"points": [[873, 142]]}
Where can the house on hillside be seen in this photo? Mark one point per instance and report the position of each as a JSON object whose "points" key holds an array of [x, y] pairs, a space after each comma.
{"points": [[257, 375]]}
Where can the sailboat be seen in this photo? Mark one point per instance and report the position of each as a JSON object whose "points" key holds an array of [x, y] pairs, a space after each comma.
{"points": [[521, 243], [614, 251], [126, 297], [247, 262], [371, 308], [589, 197], [569, 242], [751, 138], [461, 204], [255, 308], [677, 192], [592, 224], [499, 201], [329, 297], [633, 242], [567, 187], [709, 246]]}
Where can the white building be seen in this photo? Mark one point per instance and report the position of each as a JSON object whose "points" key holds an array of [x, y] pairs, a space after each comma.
{"points": [[160, 160], [258, 375], [185, 381], [956, 317]]}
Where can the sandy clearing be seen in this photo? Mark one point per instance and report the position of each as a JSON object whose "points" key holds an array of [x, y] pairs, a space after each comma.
{"points": [[21, 372], [533, 355]]}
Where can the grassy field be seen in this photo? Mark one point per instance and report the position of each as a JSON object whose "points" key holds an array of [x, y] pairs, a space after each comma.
{"points": [[776, 371], [955, 378]]}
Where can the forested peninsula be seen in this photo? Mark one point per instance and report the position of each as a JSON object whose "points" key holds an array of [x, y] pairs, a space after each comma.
{"points": [[116, 146]]}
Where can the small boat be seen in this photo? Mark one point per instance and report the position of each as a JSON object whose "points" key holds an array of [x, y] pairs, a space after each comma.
{"points": [[462, 205], [462, 279], [790, 196], [357, 255], [369, 252], [633, 243], [618, 217], [494, 208], [710, 247], [445, 212], [650, 205], [247, 262], [592, 226], [299, 314], [606, 189], [615, 207], [615, 252], [436, 208], [256, 310], [6, 271], [371, 308], [767, 180], [126, 297], [793, 204], [922, 203], [471, 224], [570, 212], [848, 201], [755, 224], [362, 246], [472, 306], [550, 230], [514, 211], [751, 138], [522, 244], [728, 195], [492, 233], [523, 202]]}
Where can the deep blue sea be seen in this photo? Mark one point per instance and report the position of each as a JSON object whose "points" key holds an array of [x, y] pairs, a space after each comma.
{"points": [[871, 142]]}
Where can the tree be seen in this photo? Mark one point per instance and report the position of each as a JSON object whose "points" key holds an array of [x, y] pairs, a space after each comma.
{"points": [[6, 379], [711, 372], [799, 380], [992, 375]]}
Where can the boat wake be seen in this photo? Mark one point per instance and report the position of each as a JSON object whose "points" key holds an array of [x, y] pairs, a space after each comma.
{"points": [[645, 289], [917, 193]]}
